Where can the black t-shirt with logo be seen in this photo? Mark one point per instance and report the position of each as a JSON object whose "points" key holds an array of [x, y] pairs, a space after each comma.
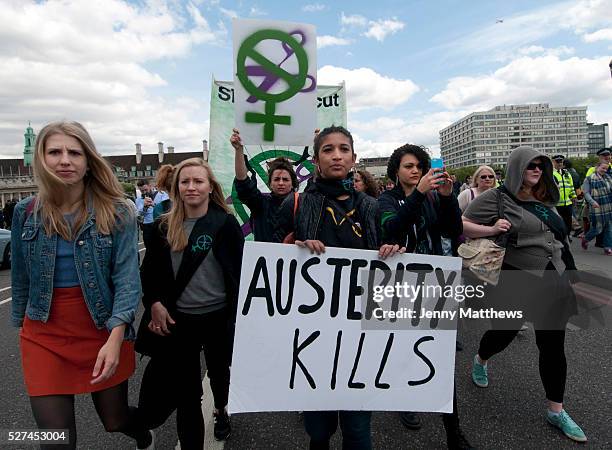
{"points": [[340, 225]]}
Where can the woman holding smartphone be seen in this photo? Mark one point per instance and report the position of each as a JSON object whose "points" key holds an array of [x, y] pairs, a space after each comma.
{"points": [[422, 214]]}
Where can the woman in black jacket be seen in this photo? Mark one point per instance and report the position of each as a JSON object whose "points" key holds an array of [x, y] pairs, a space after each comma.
{"points": [[282, 182], [421, 213], [331, 213], [190, 277]]}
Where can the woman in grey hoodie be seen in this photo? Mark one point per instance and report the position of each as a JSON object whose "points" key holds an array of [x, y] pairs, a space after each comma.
{"points": [[535, 279]]}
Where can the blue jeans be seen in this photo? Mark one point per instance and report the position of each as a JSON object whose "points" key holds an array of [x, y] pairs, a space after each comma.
{"points": [[606, 234], [355, 426]]}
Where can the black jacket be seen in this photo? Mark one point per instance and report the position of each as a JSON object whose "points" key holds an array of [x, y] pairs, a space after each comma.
{"points": [[408, 220], [159, 283], [310, 211], [263, 208]]}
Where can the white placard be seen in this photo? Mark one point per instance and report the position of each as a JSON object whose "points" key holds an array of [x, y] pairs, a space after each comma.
{"points": [[275, 78], [292, 355]]}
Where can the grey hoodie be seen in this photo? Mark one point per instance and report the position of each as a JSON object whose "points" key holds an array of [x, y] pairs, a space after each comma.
{"points": [[518, 161], [532, 245]]}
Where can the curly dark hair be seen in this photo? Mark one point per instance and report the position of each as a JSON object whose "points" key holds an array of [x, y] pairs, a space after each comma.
{"points": [[395, 159], [326, 132], [371, 185], [282, 164]]}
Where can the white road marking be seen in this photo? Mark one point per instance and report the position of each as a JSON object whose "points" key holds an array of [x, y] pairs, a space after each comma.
{"points": [[5, 289], [6, 301]]}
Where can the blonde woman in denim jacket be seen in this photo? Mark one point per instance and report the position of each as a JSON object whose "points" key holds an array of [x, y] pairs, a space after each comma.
{"points": [[75, 285]]}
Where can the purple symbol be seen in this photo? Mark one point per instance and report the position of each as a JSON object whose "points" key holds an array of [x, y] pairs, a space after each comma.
{"points": [[270, 79]]}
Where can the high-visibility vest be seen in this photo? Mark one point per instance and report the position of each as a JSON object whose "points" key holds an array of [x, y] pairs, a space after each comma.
{"points": [[565, 183]]}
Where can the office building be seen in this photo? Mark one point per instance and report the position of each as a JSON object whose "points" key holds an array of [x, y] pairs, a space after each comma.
{"points": [[488, 137], [376, 166], [598, 137]]}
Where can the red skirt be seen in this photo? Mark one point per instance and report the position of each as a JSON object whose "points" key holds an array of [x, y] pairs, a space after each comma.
{"points": [[58, 356]]}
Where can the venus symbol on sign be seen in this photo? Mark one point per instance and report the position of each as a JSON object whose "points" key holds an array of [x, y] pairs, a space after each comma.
{"points": [[295, 82]]}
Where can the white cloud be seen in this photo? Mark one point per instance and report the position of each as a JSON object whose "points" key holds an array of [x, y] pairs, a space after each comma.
{"points": [[604, 34], [353, 20], [539, 50], [386, 133], [314, 7], [523, 29], [257, 12], [58, 62], [230, 13], [377, 29], [573, 81], [367, 88], [327, 41], [65, 33], [380, 29]]}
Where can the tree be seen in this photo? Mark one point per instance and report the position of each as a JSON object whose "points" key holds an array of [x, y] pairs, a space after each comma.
{"points": [[129, 189], [582, 164]]}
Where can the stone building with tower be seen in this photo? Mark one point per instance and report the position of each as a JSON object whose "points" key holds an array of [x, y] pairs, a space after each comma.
{"points": [[17, 177]]}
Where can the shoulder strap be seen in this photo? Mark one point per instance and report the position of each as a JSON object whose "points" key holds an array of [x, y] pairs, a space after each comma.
{"points": [[471, 194], [200, 243]]}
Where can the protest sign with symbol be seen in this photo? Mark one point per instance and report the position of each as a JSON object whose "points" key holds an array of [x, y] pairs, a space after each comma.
{"points": [[275, 80]]}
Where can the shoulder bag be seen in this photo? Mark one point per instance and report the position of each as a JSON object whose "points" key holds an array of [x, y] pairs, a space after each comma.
{"points": [[483, 257]]}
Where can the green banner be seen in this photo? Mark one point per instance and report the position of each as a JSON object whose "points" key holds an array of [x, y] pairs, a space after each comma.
{"points": [[331, 110]]}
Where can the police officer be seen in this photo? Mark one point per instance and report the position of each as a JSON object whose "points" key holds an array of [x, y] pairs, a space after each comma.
{"points": [[604, 155], [567, 194]]}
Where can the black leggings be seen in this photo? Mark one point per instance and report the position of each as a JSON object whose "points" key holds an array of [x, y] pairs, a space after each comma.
{"points": [[173, 380], [552, 362], [57, 412], [566, 214]]}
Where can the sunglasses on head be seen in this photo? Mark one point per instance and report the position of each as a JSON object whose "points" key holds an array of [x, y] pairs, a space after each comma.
{"points": [[484, 177], [532, 166], [604, 154]]}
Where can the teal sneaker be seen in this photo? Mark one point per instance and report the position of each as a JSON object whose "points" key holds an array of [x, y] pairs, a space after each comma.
{"points": [[565, 423], [479, 374]]}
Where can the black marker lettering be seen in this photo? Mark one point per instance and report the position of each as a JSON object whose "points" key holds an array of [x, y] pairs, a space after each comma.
{"points": [[307, 309], [351, 383], [432, 370], [254, 291], [383, 363], [296, 359], [339, 263]]}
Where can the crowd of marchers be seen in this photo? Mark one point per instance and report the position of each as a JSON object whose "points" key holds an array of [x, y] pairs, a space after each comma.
{"points": [[77, 282]]}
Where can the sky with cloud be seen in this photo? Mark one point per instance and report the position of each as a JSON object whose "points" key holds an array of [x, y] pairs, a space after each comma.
{"points": [[140, 71]]}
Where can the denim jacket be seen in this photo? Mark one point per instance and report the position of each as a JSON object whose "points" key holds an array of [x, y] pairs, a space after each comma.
{"points": [[107, 268]]}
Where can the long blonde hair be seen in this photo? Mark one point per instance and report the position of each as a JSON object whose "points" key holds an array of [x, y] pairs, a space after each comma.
{"points": [[101, 186], [177, 238]]}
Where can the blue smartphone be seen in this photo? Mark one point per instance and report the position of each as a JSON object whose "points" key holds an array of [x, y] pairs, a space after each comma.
{"points": [[438, 165]]}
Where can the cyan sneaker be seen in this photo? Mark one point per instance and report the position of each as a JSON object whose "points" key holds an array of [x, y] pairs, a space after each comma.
{"points": [[565, 423], [479, 374]]}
